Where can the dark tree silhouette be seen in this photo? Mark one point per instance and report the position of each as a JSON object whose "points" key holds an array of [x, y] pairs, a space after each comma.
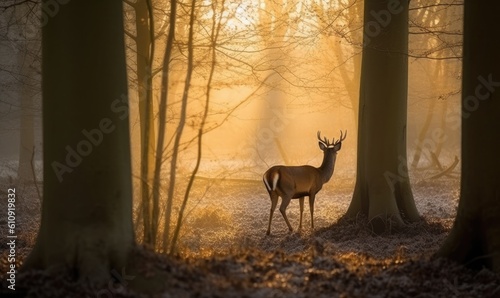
{"points": [[145, 48], [86, 222], [474, 238], [382, 188]]}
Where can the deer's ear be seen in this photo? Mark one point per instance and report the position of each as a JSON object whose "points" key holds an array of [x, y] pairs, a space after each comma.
{"points": [[322, 146], [337, 146]]}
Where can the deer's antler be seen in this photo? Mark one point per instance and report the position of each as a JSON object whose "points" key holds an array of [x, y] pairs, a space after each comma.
{"points": [[325, 140], [342, 137]]}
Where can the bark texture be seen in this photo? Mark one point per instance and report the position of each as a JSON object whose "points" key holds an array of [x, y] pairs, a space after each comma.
{"points": [[474, 239], [382, 188], [86, 223]]}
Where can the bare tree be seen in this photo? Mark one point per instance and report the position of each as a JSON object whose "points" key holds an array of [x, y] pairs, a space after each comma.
{"points": [[145, 51], [341, 38], [22, 35], [162, 117], [29, 78], [436, 37], [214, 35]]}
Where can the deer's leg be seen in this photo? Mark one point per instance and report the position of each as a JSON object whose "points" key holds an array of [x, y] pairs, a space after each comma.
{"points": [[311, 207], [284, 203], [274, 202], [301, 203]]}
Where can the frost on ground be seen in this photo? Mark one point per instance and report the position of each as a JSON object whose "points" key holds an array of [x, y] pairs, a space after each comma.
{"points": [[224, 251], [235, 214]]}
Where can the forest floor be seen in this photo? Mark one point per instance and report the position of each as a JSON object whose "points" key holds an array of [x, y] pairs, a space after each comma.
{"points": [[224, 251]]}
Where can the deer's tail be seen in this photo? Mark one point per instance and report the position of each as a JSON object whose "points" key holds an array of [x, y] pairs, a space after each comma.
{"points": [[271, 180]]}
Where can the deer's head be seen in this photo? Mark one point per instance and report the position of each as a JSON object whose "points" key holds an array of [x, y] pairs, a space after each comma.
{"points": [[334, 146]]}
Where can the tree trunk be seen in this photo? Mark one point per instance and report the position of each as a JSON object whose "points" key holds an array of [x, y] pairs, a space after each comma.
{"points": [[162, 115], [216, 28], [178, 132], [27, 132], [354, 13], [271, 128], [145, 52], [382, 188], [423, 133], [29, 85], [87, 208], [474, 239]]}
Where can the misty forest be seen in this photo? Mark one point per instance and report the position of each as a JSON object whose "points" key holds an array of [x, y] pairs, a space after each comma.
{"points": [[255, 148]]}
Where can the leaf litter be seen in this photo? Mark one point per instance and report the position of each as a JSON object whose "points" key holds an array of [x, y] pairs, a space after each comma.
{"points": [[224, 251]]}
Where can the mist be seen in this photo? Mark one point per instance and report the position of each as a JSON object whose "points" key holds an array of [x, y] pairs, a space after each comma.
{"points": [[154, 134]]}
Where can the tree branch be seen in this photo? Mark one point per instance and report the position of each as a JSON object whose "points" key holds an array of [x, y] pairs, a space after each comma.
{"points": [[21, 2]]}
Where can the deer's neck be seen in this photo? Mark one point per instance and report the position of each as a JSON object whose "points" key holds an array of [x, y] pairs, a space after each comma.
{"points": [[327, 166]]}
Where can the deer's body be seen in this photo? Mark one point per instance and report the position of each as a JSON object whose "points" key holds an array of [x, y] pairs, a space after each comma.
{"points": [[296, 182]]}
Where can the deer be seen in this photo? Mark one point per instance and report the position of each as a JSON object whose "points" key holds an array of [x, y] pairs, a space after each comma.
{"points": [[296, 182]]}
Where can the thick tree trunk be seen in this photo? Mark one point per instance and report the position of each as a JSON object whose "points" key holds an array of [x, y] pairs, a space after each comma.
{"points": [[382, 188], [474, 239], [86, 214]]}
